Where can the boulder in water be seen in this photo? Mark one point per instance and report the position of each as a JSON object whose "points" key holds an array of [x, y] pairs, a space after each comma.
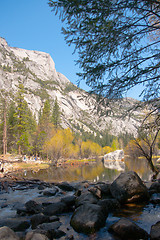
{"points": [[116, 155], [125, 229], [129, 188], [88, 218], [114, 160]]}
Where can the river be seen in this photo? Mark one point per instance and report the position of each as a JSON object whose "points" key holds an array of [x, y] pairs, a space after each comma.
{"points": [[143, 215]]}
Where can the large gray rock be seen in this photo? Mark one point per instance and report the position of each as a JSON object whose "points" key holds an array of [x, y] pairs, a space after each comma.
{"points": [[51, 192], [128, 187], [55, 208], [116, 155], [155, 198], [105, 189], [50, 229], [88, 218], [16, 224], [39, 219], [32, 207], [65, 186], [109, 205], [154, 188], [7, 234], [86, 197], [69, 201], [155, 231], [114, 160], [125, 229]]}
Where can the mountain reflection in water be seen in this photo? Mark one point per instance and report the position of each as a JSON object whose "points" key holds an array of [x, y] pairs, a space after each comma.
{"points": [[92, 172]]}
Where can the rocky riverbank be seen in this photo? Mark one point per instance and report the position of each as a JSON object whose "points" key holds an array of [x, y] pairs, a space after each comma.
{"points": [[36, 210]]}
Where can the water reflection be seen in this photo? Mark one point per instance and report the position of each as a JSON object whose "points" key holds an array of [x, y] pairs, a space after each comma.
{"points": [[93, 172], [140, 166], [114, 164]]}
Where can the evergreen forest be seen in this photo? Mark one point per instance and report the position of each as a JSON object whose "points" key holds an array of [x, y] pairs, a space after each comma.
{"points": [[23, 134]]}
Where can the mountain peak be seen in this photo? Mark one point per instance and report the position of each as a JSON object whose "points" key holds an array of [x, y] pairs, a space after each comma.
{"points": [[3, 42], [36, 71]]}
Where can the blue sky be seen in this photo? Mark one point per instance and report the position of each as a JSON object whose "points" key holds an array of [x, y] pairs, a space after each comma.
{"points": [[31, 25]]}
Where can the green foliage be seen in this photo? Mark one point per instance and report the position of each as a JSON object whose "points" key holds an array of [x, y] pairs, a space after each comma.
{"points": [[47, 84], [6, 68], [42, 93], [56, 114], [10, 130], [46, 114], [117, 42], [26, 59], [44, 126], [124, 139], [115, 144], [20, 67], [69, 88], [24, 123]]}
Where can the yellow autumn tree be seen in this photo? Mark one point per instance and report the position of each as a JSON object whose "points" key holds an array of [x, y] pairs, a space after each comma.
{"points": [[132, 150], [107, 149], [90, 148], [60, 144]]}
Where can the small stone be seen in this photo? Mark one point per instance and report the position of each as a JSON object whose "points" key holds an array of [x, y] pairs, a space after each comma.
{"points": [[7, 234], [35, 236], [33, 207], [50, 192], [38, 219], [155, 231], [65, 186], [55, 208]]}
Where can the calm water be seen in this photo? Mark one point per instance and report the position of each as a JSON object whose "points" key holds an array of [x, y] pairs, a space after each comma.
{"points": [[93, 172]]}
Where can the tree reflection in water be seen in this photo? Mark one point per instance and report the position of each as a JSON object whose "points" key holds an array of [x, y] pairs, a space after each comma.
{"points": [[92, 172]]}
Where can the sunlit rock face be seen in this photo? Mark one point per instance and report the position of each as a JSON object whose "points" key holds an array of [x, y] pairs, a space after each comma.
{"points": [[116, 155], [36, 70], [114, 160]]}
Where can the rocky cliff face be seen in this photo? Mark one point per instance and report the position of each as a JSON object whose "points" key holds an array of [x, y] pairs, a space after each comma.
{"points": [[36, 70]]}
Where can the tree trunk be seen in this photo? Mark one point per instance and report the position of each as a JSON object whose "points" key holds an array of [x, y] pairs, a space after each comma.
{"points": [[153, 168], [19, 149], [5, 130]]}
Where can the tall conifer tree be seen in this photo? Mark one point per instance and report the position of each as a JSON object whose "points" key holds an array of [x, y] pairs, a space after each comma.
{"points": [[56, 114], [24, 122]]}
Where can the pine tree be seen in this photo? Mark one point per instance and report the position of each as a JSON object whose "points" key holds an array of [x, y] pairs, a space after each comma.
{"points": [[56, 114], [5, 127], [115, 144], [44, 127], [11, 121], [45, 117], [24, 122], [4, 102], [112, 39]]}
